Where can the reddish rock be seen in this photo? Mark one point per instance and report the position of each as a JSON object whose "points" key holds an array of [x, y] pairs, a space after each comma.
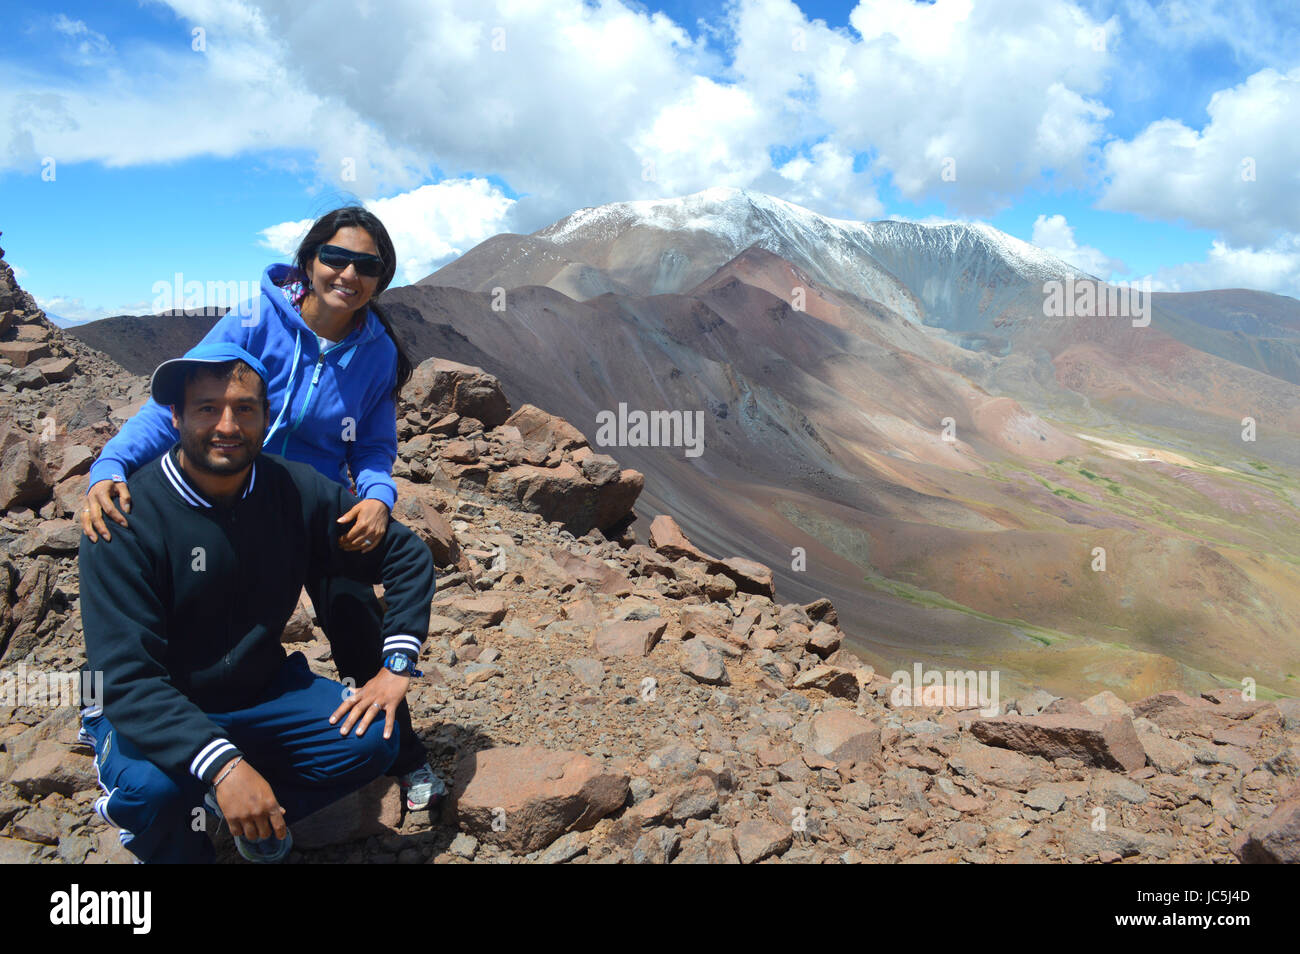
{"points": [[22, 479], [1275, 840], [1106, 704], [422, 518], [598, 468], [697, 798], [757, 839], [1230, 704], [436, 532], [994, 766], [460, 452], [1066, 706], [822, 610], [1166, 755], [1106, 743], [600, 576], [534, 424], [705, 621], [749, 576], [525, 797], [1161, 701], [831, 680], [824, 640], [704, 664], [30, 607], [719, 588], [52, 767], [616, 498], [51, 538], [57, 370], [842, 736], [441, 387], [376, 809], [22, 353], [668, 539], [473, 610], [445, 426], [300, 628], [77, 459], [777, 640], [556, 493], [634, 637], [14, 851]]}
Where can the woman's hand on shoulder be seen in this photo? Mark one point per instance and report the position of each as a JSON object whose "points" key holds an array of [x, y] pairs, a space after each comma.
{"points": [[369, 519], [99, 504]]}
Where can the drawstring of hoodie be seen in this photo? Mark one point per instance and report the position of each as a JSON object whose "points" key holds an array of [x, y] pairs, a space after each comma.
{"points": [[288, 391]]}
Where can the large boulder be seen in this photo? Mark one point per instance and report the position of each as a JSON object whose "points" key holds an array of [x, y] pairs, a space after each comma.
{"points": [[993, 766], [30, 607], [525, 797], [22, 353], [536, 425], [1109, 743], [417, 512], [841, 736], [1276, 839], [53, 767], [632, 637], [438, 387], [667, 538], [562, 494], [22, 478], [375, 809]]}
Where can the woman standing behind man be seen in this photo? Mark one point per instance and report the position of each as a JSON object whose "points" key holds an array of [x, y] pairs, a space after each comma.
{"points": [[334, 368]]}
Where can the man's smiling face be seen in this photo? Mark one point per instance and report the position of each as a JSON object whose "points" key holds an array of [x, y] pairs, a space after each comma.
{"points": [[223, 421]]}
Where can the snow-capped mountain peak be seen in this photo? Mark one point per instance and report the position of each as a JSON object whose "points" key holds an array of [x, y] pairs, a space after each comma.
{"points": [[956, 275]]}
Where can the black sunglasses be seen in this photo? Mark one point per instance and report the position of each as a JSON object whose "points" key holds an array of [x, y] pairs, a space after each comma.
{"points": [[372, 266]]}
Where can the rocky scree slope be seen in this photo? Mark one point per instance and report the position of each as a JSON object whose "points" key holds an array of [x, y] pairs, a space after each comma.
{"points": [[593, 698]]}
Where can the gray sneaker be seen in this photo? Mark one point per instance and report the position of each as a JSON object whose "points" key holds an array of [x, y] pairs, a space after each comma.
{"points": [[421, 788], [260, 851]]}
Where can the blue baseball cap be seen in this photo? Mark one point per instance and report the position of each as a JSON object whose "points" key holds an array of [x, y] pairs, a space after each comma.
{"points": [[168, 382]]}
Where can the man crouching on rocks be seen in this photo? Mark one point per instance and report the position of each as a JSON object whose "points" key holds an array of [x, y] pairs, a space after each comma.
{"points": [[183, 613]]}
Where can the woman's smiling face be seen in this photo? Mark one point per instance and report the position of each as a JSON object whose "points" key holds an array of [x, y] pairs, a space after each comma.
{"points": [[344, 289]]}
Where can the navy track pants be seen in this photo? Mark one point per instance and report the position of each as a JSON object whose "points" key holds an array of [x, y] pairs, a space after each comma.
{"points": [[287, 737]]}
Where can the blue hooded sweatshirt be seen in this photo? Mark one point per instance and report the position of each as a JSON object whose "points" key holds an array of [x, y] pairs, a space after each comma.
{"points": [[332, 409]]}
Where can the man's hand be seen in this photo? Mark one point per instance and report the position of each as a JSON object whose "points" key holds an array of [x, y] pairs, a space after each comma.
{"points": [[381, 694], [248, 804], [99, 504], [371, 518]]}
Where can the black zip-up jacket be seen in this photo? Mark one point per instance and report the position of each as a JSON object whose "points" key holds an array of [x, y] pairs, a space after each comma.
{"points": [[183, 609]]}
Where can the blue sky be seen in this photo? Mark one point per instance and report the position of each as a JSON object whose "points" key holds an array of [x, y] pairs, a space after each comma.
{"points": [[1133, 138]]}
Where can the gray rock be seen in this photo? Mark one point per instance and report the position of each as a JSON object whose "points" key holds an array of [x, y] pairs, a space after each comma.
{"points": [[464, 845], [564, 848]]}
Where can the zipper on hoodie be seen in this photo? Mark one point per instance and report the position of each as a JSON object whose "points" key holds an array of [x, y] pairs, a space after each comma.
{"points": [[306, 401]]}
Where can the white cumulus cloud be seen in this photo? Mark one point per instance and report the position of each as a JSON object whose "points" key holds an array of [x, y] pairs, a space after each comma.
{"points": [[429, 226], [1053, 234], [1239, 174], [1274, 268]]}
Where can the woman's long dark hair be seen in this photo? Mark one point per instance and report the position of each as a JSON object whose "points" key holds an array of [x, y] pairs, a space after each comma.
{"points": [[359, 217]]}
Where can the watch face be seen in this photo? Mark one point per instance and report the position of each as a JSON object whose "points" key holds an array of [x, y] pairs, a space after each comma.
{"points": [[398, 663]]}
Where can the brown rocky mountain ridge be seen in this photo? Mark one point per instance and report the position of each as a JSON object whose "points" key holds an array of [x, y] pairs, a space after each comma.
{"points": [[614, 701], [825, 454], [822, 428]]}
